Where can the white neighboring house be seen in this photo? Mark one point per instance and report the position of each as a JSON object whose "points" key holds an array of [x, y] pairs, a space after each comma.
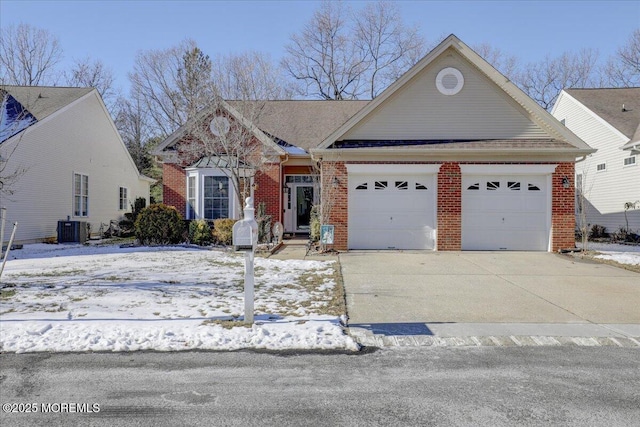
{"points": [[71, 162], [609, 121]]}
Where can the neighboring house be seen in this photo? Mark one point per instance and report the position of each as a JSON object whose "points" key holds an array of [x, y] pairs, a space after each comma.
{"points": [[452, 156], [68, 161], [609, 121]]}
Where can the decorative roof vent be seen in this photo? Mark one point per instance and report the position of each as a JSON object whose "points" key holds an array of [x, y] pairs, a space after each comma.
{"points": [[220, 126], [449, 81]]}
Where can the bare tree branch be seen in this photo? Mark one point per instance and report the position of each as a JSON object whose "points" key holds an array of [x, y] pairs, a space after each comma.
{"points": [[28, 56], [88, 73], [173, 84], [544, 80], [623, 69]]}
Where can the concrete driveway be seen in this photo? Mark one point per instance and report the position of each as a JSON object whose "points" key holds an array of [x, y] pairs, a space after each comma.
{"points": [[521, 292]]}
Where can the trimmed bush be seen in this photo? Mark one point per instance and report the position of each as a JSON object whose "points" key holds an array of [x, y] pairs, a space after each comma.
{"points": [[159, 225], [598, 232], [200, 232], [223, 230]]}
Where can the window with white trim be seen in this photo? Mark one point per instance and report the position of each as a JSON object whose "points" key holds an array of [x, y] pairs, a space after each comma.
{"points": [[80, 195], [630, 161], [601, 167], [123, 205], [216, 197], [191, 197]]}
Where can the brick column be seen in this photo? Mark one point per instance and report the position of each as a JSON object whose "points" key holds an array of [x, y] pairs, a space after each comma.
{"points": [[449, 207], [563, 216], [335, 199]]}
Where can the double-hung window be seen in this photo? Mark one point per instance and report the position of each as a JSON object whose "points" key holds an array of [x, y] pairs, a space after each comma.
{"points": [[80, 195], [123, 199], [216, 197]]}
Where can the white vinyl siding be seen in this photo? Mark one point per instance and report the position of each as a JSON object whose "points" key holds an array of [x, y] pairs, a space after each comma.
{"points": [[419, 111], [79, 138], [605, 190]]}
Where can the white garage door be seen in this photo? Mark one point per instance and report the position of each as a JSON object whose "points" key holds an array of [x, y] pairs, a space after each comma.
{"points": [[502, 212], [391, 211]]}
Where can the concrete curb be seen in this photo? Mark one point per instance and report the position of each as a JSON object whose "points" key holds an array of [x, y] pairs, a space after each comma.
{"points": [[496, 335]]}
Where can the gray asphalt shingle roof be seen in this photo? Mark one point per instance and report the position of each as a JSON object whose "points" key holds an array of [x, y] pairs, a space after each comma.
{"points": [[42, 101], [303, 123], [608, 104]]}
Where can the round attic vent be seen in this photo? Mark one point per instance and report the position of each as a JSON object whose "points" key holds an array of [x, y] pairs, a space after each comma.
{"points": [[220, 126], [449, 81]]}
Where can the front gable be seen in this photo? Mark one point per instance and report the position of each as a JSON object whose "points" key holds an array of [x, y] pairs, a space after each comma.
{"points": [[419, 111], [452, 102]]}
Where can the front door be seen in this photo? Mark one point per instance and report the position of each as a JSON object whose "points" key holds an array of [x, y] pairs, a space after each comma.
{"points": [[303, 204]]}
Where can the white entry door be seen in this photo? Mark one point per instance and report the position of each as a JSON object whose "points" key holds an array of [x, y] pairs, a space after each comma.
{"points": [[502, 212], [391, 211]]}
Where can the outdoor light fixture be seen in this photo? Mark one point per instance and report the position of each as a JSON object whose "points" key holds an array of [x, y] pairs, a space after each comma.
{"points": [[336, 181], [565, 182]]}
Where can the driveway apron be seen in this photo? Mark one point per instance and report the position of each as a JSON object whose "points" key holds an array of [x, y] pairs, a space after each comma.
{"points": [[420, 291]]}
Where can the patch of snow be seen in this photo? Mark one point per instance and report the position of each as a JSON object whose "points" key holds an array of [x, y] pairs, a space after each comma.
{"points": [[107, 298], [623, 254]]}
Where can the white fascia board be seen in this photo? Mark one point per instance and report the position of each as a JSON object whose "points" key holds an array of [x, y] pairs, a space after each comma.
{"points": [[508, 169], [393, 169]]}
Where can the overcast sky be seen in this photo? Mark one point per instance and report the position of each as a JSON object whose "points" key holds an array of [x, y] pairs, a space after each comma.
{"points": [[113, 31]]}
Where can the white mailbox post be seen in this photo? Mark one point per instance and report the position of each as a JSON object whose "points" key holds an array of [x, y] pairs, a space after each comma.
{"points": [[245, 238]]}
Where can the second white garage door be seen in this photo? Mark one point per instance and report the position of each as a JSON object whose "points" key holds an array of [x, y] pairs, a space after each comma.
{"points": [[388, 211], [505, 212]]}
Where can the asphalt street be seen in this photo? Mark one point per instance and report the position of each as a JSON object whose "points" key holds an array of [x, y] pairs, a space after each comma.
{"points": [[495, 386]]}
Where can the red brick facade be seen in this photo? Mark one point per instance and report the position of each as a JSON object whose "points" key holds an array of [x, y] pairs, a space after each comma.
{"points": [[563, 219], [267, 190], [449, 209], [174, 187], [335, 200]]}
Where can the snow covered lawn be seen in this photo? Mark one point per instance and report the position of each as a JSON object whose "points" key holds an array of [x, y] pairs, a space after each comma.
{"points": [[107, 298], [622, 254]]}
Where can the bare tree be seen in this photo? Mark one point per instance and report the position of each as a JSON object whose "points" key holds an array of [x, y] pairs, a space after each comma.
{"points": [[173, 84], [544, 80], [623, 69], [340, 55], [28, 56], [93, 73], [389, 46], [225, 135], [132, 123], [325, 57], [249, 76], [507, 64]]}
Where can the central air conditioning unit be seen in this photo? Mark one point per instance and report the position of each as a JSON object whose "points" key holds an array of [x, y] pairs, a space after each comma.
{"points": [[73, 231]]}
